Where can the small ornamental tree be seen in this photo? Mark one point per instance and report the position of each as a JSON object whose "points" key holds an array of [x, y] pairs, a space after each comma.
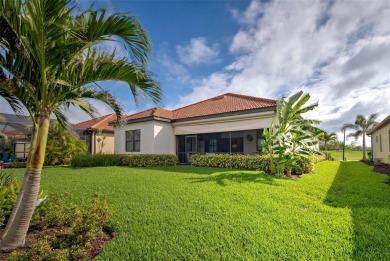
{"points": [[293, 137], [62, 144]]}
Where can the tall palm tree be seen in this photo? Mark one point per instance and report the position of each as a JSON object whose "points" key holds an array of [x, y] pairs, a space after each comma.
{"points": [[326, 138], [362, 125], [49, 60]]}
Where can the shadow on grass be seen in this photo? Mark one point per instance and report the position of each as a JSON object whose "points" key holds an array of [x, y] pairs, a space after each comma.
{"points": [[356, 187], [239, 177], [188, 169]]}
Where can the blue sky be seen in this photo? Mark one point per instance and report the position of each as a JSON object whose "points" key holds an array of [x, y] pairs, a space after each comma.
{"points": [[338, 51]]}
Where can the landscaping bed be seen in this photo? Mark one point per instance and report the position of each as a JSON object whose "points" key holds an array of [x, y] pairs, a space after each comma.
{"points": [[33, 237]]}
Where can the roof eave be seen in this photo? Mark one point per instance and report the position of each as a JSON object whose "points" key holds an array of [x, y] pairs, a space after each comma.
{"points": [[263, 109], [380, 125]]}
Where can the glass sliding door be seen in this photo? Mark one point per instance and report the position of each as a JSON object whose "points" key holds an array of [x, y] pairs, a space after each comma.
{"points": [[186, 146]]}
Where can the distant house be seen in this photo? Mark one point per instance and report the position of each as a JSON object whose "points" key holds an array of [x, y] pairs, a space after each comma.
{"points": [[380, 140], [229, 123], [98, 134], [18, 130]]}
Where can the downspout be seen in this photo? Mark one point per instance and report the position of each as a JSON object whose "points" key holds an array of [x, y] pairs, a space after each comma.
{"points": [[90, 141], [372, 148]]}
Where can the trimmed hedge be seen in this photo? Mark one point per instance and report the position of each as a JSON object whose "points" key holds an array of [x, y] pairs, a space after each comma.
{"points": [[237, 161], [231, 161], [149, 160], [132, 160]]}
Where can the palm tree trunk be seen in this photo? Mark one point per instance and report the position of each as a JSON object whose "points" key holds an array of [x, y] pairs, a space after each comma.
{"points": [[25, 178], [364, 145], [326, 150], [17, 231]]}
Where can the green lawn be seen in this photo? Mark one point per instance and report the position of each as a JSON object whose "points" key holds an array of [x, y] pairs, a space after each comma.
{"points": [[349, 154], [341, 212]]}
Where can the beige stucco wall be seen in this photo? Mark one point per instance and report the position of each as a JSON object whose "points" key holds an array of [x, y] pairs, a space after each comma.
{"points": [[147, 142], [156, 138], [164, 138], [250, 146], [109, 142], [378, 136]]}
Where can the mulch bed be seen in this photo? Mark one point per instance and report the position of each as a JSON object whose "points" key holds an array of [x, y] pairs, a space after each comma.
{"points": [[380, 168], [92, 250]]}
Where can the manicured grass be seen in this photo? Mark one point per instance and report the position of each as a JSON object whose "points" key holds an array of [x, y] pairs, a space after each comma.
{"points": [[349, 154], [341, 212]]}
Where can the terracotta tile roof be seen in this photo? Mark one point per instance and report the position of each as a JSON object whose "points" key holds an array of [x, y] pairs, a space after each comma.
{"points": [[225, 103], [154, 112], [99, 123], [379, 125]]}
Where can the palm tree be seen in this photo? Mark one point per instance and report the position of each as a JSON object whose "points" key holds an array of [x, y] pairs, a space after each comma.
{"points": [[49, 60], [362, 125], [327, 137]]}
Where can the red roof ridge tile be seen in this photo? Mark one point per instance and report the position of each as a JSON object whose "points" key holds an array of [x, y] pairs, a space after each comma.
{"points": [[95, 122], [250, 97], [226, 94], [154, 112]]}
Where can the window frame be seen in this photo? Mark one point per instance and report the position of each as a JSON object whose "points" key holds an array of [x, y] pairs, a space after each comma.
{"points": [[133, 141]]}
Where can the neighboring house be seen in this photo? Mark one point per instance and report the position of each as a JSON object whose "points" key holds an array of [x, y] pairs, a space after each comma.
{"points": [[229, 123], [380, 140], [18, 130], [97, 131]]}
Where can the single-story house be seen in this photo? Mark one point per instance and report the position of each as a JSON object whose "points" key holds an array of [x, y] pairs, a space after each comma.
{"points": [[229, 123], [98, 134], [18, 130], [380, 140]]}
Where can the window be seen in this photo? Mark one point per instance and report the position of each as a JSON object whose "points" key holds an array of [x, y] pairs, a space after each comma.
{"points": [[133, 141], [213, 145], [376, 139], [380, 142], [389, 140], [237, 142], [259, 139]]}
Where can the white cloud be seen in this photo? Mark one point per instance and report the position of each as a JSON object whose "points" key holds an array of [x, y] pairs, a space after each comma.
{"points": [[172, 70], [338, 51], [197, 52]]}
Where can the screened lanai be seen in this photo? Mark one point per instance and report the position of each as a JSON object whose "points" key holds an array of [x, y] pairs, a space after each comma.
{"points": [[18, 130]]}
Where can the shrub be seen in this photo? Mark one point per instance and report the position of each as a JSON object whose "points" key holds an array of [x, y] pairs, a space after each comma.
{"points": [[42, 250], [96, 160], [62, 145], [131, 160], [9, 189], [303, 165], [236, 161], [17, 164], [79, 226], [149, 160]]}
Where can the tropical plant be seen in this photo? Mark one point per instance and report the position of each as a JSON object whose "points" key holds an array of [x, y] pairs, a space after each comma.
{"points": [[49, 60], [3, 138], [62, 144], [293, 137], [361, 126]]}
